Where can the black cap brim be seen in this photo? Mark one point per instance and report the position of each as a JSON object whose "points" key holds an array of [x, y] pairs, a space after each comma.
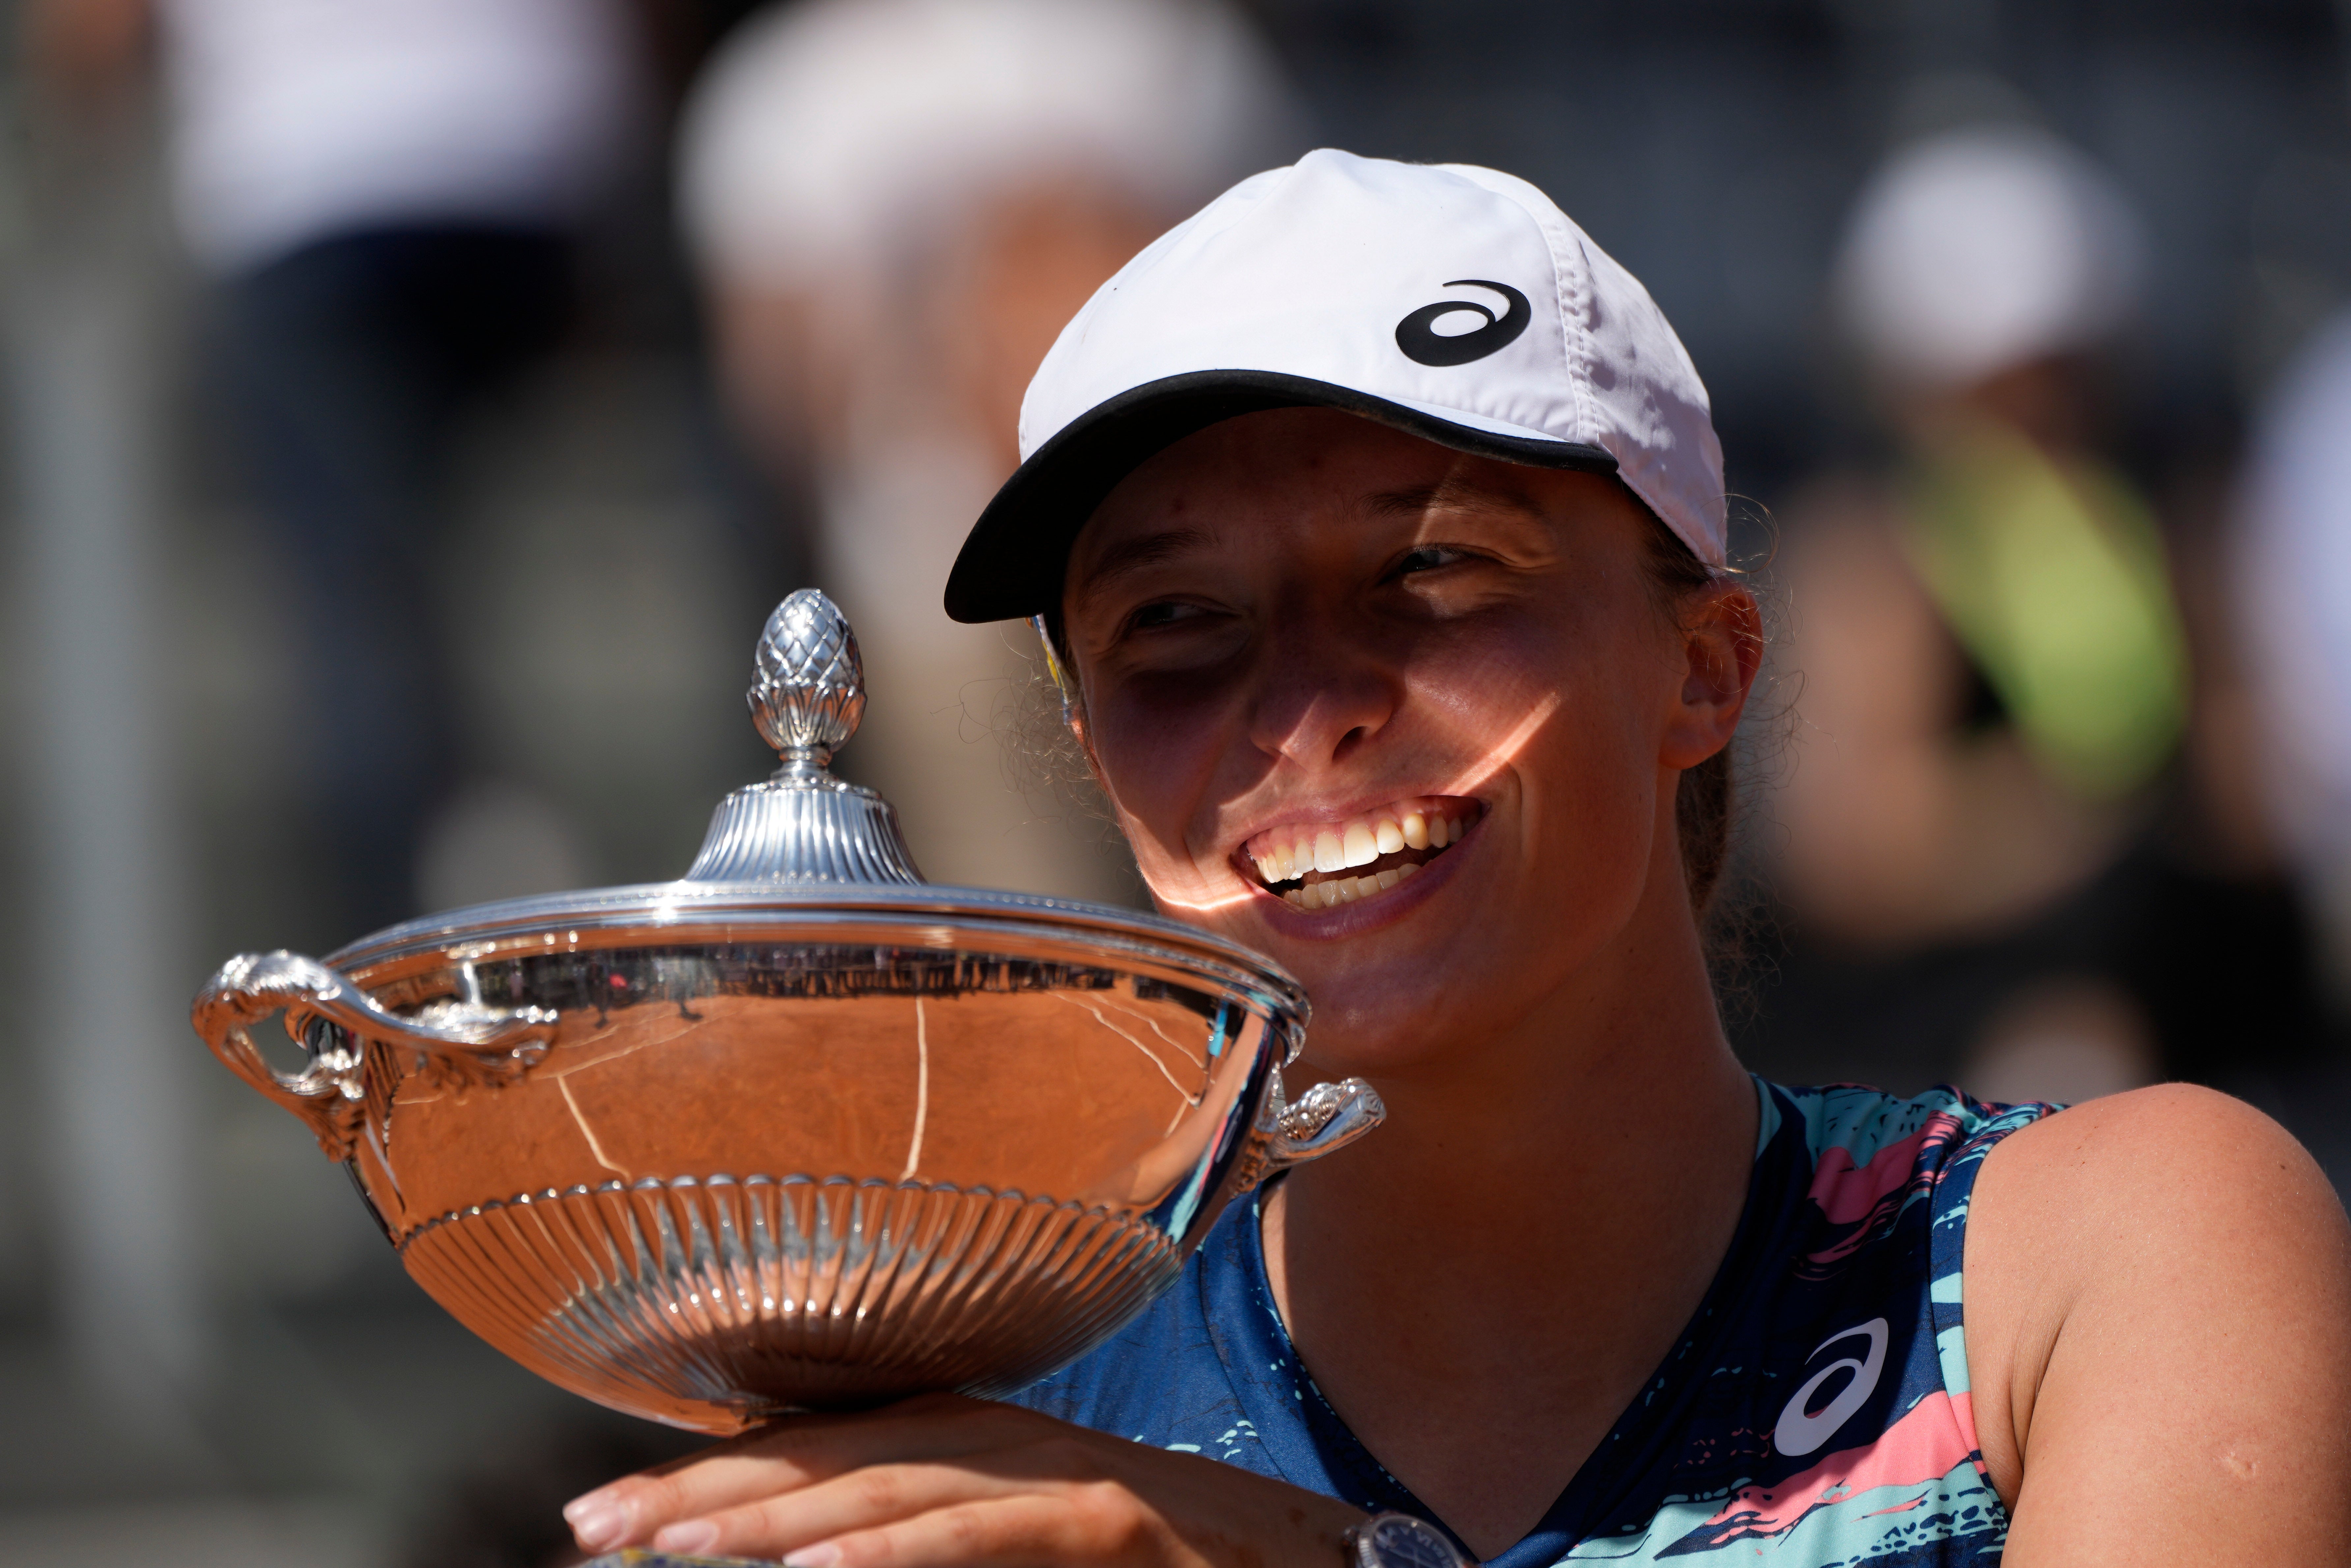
{"points": [[1012, 562]]}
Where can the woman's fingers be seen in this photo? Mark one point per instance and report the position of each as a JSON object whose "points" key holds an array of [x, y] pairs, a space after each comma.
{"points": [[1023, 1528], [785, 1458], [877, 1512]]}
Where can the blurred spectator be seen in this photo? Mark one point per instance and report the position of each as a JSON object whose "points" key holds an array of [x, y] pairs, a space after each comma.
{"points": [[895, 205], [2293, 558], [1994, 670], [388, 194]]}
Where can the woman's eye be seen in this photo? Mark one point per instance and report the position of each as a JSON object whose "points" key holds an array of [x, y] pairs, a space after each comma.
{"points": [[1428, 558], [1152, 617]]}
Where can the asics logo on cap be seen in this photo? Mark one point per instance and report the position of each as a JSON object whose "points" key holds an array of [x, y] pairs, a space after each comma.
{"points": [[1417, 336]]}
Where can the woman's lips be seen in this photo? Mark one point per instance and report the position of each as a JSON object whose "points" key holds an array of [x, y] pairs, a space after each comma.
{"points": [[1318, 865]]}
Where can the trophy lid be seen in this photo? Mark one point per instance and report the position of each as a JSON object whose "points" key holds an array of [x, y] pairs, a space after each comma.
{"points": [[806, 853]]}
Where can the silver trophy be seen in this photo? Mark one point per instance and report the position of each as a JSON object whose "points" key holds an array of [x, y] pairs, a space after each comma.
{"points": [[801, 1130]]}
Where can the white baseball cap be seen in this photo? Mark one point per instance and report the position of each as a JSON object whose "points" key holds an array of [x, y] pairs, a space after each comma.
{"points": [[1450, 301]]}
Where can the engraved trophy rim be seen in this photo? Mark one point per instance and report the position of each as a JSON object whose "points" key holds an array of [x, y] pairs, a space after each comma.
{"points": [[949, 913]]}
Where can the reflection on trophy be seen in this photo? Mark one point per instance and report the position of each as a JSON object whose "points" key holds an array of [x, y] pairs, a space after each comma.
{"points": [[799, 1130]]}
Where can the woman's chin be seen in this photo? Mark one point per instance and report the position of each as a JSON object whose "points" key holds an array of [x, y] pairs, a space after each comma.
{"points": [[1377, 1016]]}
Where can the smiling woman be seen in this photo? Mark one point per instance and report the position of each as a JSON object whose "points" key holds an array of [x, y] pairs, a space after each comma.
{"points": [[1401, 648]]}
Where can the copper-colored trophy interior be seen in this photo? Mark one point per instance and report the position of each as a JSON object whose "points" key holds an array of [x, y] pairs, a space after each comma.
{"points": [[685, 1061]]}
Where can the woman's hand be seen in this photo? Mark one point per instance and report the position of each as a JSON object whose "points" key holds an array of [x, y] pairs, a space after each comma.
{"points": [[947, 1482]]}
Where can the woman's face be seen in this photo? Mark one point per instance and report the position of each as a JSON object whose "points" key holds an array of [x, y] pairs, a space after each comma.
{"points": [[1407, 720]]}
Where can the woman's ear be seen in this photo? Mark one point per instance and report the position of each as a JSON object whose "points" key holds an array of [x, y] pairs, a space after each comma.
{"points": [[1076, 718], [1721, 631], [1073, 706]]}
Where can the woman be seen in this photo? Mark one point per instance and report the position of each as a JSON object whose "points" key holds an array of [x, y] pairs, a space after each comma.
{"points": [[1377, 519]]}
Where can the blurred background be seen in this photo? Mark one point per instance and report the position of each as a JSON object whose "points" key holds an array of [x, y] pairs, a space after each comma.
{"points": [[409, 410]]}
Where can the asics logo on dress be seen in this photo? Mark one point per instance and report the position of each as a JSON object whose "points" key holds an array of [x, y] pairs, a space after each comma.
{"points": [[1418, 336], [1803, 1429]]}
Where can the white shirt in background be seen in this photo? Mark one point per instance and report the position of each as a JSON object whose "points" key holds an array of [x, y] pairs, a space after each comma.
{"points": [[298, 120]]}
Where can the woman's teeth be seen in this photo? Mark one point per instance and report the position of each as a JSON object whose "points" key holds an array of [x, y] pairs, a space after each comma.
{"points": [[1382, 848], [1346, 889]]}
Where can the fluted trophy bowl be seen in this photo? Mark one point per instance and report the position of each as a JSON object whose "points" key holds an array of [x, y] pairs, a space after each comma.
{"points": [[799, 1131]]}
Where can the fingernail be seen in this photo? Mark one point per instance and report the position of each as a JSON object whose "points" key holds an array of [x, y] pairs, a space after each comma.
{"points": [[694, 1535], [597, 1520], [823, 1555]]}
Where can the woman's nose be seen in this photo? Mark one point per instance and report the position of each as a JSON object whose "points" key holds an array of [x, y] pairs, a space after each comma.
{"points": [[1319, 693]]}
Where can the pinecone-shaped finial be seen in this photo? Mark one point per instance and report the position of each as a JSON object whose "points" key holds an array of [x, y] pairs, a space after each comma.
{"points": [[811, 689]]}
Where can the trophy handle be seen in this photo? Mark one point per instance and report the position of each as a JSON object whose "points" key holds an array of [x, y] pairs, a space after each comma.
{"points": [[1326, 1118], [463, 1042]]}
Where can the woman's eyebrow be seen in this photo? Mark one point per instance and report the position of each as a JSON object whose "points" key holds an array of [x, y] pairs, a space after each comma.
{"points": [[1452, 494], [1134, 554]]}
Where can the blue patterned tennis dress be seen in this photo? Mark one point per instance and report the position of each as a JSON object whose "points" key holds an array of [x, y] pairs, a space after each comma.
{"points": [[1814, 1412]]}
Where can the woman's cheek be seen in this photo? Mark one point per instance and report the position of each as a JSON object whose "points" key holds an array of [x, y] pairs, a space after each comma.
{"points": [[1155, 758], [1600, 818]]}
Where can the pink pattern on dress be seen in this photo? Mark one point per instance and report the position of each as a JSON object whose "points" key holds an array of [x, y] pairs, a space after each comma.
{"points": [[1934, 1440], [1848, 1194]]}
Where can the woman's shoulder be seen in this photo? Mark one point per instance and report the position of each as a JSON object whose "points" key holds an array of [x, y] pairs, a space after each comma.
{"points": [[2160, 1285], [2183, 1121], [2166, 1182]]}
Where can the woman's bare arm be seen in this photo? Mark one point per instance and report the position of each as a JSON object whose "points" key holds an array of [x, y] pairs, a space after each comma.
{"points": [[2158, 1331]]}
